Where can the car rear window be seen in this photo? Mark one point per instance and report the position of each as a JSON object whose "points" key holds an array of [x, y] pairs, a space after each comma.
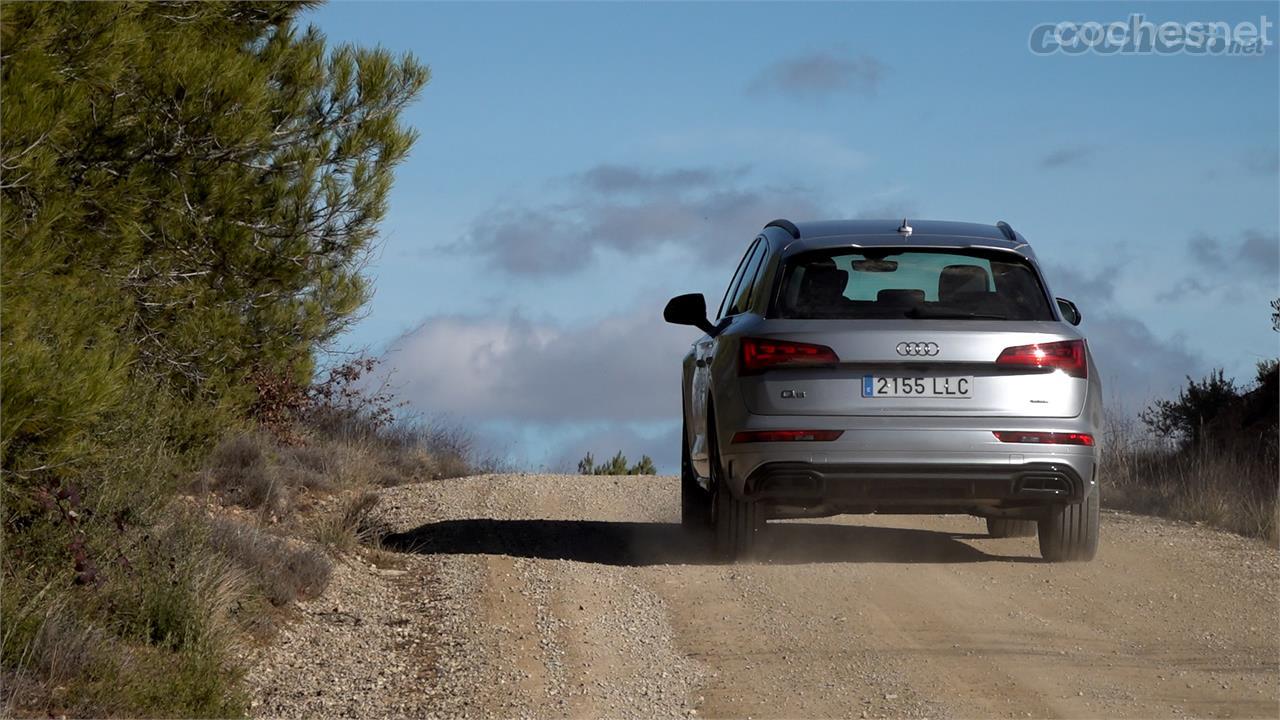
{"points": [[892, 283]]}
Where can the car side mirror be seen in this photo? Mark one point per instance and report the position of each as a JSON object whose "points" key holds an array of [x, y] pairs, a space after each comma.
{"points": [[1069, 311], [689, 309]]}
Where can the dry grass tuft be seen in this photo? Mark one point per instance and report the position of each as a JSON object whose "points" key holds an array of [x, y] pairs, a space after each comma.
{"points": [[284, 571], [353, 523], [1231, 493], [341, 454], [1233, 489], [241, 471], [60, 651]]}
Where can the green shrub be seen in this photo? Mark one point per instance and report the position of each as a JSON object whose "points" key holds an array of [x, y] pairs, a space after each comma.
{"points": [[1213, 414], [1197, 406]]}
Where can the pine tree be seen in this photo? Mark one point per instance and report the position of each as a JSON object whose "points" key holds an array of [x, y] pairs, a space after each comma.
{"points": [[644, 467], [617, 465], [188, 192]]}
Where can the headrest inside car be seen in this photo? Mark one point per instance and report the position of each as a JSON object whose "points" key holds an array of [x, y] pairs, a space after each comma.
{"points": [[823, 282], [961, 279], [894, 296]]}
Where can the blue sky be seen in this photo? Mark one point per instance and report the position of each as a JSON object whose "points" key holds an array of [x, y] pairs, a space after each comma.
{"points": [[581, 162]]}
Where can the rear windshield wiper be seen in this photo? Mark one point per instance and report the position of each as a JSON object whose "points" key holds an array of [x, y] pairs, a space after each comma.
{"points": [[919, 313]]}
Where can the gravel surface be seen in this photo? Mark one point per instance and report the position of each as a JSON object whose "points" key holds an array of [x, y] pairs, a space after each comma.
{"points": [[546, 596]]}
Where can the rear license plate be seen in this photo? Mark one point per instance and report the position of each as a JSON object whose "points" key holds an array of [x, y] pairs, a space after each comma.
{"points": [[879, 386]]}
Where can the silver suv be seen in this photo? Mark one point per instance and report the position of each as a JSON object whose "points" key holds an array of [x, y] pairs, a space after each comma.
{"points": [[877, 366]]}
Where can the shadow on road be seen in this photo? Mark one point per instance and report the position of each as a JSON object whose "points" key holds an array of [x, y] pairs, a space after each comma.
{"points": [[647, 543]]}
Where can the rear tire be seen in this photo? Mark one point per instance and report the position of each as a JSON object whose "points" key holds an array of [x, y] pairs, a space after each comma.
{"points": [[1070, 532], [695, 503], [738, 524], [1010, 528]]}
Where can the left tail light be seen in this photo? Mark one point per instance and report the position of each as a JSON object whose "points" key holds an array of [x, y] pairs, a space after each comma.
{"points": [[759, 355]]}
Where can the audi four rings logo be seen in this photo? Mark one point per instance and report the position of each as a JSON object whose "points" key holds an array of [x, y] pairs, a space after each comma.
{"points": [[918, 348]]}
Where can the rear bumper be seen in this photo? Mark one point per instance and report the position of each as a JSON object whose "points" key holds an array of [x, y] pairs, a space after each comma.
{"points": [[878, 485], [920, 463]]}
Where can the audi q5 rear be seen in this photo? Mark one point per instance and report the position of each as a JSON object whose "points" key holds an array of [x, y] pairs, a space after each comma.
{"points": [[886, 366]]}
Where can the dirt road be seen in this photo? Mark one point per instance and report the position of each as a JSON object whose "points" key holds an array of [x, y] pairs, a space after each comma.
{"points": [[539, 595]]}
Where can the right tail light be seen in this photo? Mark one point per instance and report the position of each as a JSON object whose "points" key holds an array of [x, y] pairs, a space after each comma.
{"points": [[1044, 438], [1067, 355]]}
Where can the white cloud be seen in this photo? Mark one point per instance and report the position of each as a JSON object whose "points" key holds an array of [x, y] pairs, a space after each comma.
{"points": [[622, 368]]}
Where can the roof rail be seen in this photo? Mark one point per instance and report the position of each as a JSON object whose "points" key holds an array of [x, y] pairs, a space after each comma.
{"points": [[1007, 230], [787, 225]]}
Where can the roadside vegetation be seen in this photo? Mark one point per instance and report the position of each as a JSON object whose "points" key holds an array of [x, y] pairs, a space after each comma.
{"points": [[1209, 455], [189, 194], [617, 465], [213, 569]]}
